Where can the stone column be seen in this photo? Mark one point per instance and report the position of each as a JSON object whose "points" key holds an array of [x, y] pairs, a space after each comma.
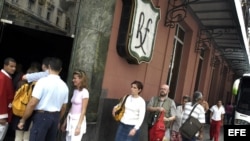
{"points": [[93, 29], [1, 7]]}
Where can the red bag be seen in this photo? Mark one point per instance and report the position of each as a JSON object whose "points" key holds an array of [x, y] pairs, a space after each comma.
{"points": [[157, 131]]}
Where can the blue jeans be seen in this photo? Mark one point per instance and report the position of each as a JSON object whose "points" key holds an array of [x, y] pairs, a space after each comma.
{"points": [[45, 126], [123, 131], [185, 139]]}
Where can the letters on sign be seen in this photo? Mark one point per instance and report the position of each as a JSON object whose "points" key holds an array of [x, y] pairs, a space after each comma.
{"points": [[136, 39]]}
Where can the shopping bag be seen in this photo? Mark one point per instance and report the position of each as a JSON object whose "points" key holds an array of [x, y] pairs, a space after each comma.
{"points": [[157, 131]]}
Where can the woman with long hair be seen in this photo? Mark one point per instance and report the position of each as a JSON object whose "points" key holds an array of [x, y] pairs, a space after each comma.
{"points": [[75, 123]]}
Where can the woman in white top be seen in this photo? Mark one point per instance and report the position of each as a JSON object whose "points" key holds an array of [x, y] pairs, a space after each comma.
{"points": [[75, 122], [135, 108]]}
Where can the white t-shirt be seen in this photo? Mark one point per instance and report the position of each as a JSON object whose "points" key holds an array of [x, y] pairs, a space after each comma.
{"points": [[76, 100], [217, 112]]}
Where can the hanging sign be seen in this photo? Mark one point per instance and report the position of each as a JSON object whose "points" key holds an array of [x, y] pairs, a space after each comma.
{"points": [[137, 30]]}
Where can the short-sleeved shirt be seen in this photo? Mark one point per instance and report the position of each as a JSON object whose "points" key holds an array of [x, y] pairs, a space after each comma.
{"points": [[52, 93], [217, 112], [198, 112], [76, 100]]}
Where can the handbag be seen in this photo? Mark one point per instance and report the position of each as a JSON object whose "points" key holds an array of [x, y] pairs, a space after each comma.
{"points": [[191, 126], [157, 131], [153, 119], [120, 109], [154, 115]]}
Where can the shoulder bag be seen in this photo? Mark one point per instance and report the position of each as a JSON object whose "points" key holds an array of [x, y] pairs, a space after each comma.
{"points": [[191, 126], [120, 109], [153, 116], [157, 132]]}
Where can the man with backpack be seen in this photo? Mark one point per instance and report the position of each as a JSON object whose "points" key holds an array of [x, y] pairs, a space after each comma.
{"points": [[29, 79], [48, 104], [161, 103], [21, 99]]}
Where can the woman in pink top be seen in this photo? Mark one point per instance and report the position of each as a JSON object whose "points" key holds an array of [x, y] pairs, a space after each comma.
{"points": [[75, 123]]}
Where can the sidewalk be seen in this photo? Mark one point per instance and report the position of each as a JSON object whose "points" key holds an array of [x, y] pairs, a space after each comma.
{"points": [[206, 133]]}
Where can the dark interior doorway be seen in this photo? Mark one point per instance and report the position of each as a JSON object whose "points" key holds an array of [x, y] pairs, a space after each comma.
{"points": [[27, 45]]}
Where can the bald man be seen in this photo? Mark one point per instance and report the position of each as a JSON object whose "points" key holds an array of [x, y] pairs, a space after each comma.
{"points": [[162, 103]]}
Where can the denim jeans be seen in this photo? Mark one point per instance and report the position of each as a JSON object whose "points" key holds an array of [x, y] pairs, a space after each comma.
{"points": [[123, 131], [185, 139], [45, 126]]}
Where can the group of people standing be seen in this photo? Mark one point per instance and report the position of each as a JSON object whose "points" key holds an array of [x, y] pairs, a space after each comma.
{"points": [[44, 113], [43, 116], [135, 110]]}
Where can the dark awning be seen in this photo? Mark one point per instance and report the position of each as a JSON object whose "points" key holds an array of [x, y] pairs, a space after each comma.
{"points": [[227, 30]]}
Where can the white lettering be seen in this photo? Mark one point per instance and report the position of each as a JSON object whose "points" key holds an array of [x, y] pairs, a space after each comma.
{"points": [[243, 132], [236, 132], [230, 132]]}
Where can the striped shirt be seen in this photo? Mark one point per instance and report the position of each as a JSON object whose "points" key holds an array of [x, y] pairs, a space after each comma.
{"points": [[198, 112]]}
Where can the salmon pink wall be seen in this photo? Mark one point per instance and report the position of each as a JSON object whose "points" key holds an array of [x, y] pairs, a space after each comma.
{"points": [[119, 74]]}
